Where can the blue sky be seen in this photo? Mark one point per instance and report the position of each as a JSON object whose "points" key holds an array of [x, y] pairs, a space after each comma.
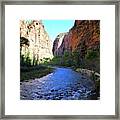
{"points": [[54, 27]]}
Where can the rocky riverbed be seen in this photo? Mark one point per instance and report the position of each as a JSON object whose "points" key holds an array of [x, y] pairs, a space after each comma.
{"points": [[62, 84]]}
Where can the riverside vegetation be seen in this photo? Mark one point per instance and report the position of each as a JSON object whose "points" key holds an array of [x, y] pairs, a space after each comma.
{"points": [[82, 56]]}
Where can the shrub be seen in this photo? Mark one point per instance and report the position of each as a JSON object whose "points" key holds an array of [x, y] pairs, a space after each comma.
{"points": [[92, 54]]}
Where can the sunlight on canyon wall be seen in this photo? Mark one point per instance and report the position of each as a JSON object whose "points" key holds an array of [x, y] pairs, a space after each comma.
{"points": [[35, 43]]}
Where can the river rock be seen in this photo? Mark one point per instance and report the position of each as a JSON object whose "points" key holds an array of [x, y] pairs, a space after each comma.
{"points": [[51, 90]]}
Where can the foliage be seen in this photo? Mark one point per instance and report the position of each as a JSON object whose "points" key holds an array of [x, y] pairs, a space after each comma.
{"points": [[91, 60], [46, 60], [68, 59], [57, 60], [34, 72], [23, 41], [34, 68], [25, 60], [92, 54]]}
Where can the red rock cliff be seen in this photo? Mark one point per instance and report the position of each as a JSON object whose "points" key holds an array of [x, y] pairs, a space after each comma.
{"points": [[83, 36]]}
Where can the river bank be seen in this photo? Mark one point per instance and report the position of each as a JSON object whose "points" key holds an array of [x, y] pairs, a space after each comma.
{"points": [[94, 76], [31, 72]]}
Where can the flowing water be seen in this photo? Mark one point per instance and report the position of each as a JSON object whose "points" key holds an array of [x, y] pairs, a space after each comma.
{"points": [[62, 84]]}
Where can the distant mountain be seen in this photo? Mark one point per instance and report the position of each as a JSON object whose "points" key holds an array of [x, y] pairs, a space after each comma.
{"points": [[58, 44]]}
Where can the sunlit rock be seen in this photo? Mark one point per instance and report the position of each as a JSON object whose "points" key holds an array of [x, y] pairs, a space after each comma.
{"points": [[83, 36], [58, 44], [36, 42]]}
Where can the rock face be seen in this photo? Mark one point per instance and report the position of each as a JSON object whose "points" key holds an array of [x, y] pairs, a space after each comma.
{"points": [[58, 43], [34, 41], [84, 35], [82, 42]]}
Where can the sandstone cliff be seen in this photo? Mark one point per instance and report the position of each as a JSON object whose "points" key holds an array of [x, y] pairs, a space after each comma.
{"points": [[83, 38], [85, 34], [58, 44], [34, 41]]}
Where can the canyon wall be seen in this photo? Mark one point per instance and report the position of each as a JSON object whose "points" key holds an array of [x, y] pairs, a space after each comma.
{"points": [[84, 35], [58, 44], [83, 38], [34, 41]]}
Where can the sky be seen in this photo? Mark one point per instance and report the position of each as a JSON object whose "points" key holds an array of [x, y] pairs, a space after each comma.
{"points": [[54, 27]]}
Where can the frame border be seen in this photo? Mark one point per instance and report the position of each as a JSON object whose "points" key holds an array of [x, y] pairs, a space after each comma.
{"points": [[55, 2]]}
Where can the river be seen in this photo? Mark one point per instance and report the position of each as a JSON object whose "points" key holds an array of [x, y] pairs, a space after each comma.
{"points": [[62, 84]]}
